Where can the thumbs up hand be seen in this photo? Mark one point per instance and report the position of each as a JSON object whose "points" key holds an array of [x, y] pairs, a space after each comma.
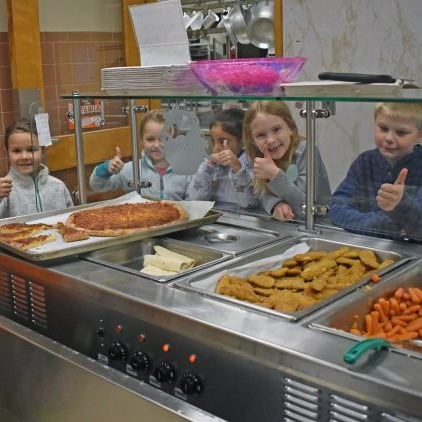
{"points": [[116, 164], [5, 186], [389, 195], [227, 157], [265, 168]]}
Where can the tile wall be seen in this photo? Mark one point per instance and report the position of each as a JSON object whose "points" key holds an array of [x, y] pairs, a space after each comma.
{"points": [[73, 61]]}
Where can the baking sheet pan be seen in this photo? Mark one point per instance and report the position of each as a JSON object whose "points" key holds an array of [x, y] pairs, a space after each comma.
{"points": [[271, 257], [200, 212]]}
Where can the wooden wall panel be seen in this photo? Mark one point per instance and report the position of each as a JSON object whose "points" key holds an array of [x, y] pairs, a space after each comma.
{"points": [[25, 44], [98, 146]]}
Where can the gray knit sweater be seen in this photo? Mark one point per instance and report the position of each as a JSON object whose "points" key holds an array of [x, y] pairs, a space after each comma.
{"points": [[30, 196]]}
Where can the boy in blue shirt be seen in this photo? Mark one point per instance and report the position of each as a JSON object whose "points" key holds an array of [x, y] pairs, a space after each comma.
{"points": [[382, 192]]}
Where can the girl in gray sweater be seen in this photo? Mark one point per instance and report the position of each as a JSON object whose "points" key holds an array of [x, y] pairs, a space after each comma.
{"points": [[28, 188]]}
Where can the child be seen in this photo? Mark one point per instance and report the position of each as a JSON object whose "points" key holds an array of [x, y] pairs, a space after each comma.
{"points": [[278, 154], [381, 194], [115, 174], [28, 188], [224, 176]]}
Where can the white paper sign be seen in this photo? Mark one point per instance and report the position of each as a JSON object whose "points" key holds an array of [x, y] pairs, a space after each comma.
{"points": [[44, 137], [160, 33]]}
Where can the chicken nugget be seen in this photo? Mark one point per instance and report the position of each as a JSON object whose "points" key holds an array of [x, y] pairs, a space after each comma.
{"points": [[293, 272], [346, 261], [289, 263], [305, 302], [318, 284], [239, 292], [310, 256], [369, 259], [228, 279], [355, 273], [278, 272], [336, 253], [285, 301], [261, 280], [353, 254], [385, 263], [263, 291], [312, 271], [297, 283]]}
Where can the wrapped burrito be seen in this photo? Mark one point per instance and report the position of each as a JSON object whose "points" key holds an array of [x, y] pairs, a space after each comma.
{"points": [[168, 260], [152, 270]]}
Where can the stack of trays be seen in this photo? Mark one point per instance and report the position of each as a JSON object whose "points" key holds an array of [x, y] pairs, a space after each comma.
{"points": [[160, 80]]}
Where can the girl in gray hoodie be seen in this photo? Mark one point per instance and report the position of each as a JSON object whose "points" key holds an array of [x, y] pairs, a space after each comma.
{"points": [[28, 188]]}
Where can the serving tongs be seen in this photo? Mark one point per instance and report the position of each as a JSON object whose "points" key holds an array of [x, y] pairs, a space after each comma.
{"points": [[377, 344], [366, 78]]}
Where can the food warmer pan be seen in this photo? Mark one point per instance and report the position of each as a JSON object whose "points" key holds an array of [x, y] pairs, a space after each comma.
{"points": [[338, 320], [228, 238], [129, 257], [206, 284]]}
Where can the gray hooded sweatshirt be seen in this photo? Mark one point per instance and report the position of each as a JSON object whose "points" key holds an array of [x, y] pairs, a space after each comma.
{"points": [[32, 195]]}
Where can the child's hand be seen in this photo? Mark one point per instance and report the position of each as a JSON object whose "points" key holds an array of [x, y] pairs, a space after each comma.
{"points": [[228, 158], [389, 195], [5, 186], [116, 164], [283, 211], [265, 168]]}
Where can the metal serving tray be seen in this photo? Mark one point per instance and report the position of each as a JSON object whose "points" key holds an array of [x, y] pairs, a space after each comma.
{"points": [[206, 283], [228, 238], [338, 320], [129, 257], [60, 249]]}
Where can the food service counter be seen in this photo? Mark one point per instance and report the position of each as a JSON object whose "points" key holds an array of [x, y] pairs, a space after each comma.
{"points": [[83, 338]]}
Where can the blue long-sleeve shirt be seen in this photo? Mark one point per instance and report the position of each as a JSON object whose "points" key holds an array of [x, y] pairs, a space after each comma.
{"points": [[354, 206], [171, 186]]}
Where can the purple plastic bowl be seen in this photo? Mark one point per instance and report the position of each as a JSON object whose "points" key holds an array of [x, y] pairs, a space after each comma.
{"points": [[247, 76]]}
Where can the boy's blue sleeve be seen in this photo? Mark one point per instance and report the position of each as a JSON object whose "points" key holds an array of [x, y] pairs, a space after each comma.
{"points": [[102, 169]]}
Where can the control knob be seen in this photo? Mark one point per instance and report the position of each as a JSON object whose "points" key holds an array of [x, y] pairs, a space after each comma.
{"points": [[164, 372], [140, 361], [117, 351], [191, 384]]}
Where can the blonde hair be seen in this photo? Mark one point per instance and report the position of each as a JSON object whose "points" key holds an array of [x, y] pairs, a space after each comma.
{"points": [[276, 108], [150, 116], [406, 111]]}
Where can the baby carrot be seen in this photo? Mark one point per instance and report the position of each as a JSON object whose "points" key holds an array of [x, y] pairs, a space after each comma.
{"points": [[415, 325], [418, 291], [393, 331], [410, 317], [397, 321], [382, 316], [375, 278], [368, 324], [388, 326], [355, 331], [413, 296], [385, 305], [394, 304], [375, 319], [412, 309], [399, 293]]}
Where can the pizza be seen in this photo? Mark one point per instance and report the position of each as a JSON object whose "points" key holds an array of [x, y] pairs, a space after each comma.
{"points": [[72, 234], [25, 236], [19, 227], [32, 241], [117, 220]]}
